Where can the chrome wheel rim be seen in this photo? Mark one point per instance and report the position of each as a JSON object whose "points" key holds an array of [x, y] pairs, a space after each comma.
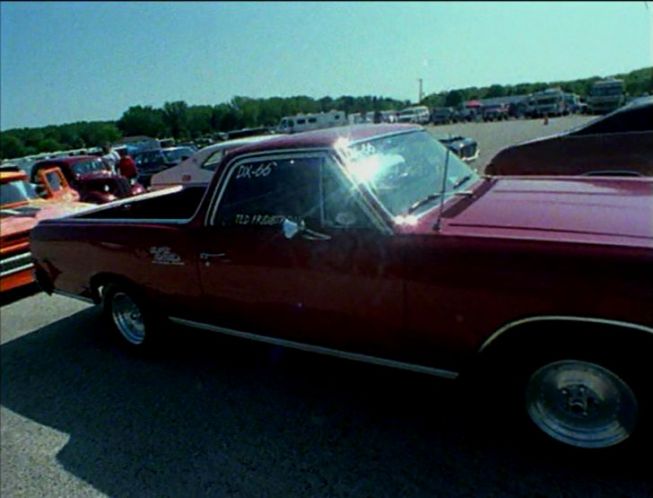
{"points": [[128, 318], [581, 404]]}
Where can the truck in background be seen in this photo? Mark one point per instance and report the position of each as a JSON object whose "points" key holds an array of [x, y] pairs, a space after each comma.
{"points": [[606, 96], [572, 103], [549, 102]]}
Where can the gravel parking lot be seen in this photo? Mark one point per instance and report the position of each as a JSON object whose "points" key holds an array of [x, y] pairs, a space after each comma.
{"points": [[215, 416]]}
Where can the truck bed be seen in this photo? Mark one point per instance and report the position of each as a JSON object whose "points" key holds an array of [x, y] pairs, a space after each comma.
{"points": [[180, 204]]}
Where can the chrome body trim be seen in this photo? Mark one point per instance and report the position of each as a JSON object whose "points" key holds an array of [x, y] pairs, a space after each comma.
{"points": [[23, 259], [447, 374], [16, 270], [559, 318]]}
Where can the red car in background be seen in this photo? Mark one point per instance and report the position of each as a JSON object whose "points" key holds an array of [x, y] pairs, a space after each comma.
{"points": [[90, 177], [21, 208]]}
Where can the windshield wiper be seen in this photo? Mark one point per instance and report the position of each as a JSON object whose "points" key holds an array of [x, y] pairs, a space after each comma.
{"points": [[431, 197], [460, 181]]}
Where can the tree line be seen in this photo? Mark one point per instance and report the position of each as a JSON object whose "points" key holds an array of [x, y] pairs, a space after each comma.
{"points": [[187, 122], [638, 82], [180, 121]]}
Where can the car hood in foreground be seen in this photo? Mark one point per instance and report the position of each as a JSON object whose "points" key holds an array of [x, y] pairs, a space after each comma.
{"points": [[583, 210]]}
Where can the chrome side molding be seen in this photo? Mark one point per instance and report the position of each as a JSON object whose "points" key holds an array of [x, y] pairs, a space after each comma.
{"points": [[446, 374]]}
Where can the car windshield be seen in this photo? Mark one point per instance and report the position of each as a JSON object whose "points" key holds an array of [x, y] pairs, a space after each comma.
{"points": [[177, 155], [83, 167], [149, 157], [16, 191], [405, 169]]}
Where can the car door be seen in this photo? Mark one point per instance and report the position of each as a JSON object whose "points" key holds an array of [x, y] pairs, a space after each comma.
{"points": [[336, 283]]}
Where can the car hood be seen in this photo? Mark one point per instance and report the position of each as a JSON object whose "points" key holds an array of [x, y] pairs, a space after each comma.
{"points": [[584, 210]]}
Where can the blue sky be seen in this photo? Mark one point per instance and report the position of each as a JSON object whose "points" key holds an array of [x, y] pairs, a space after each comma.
{"points": [[63, 62]]}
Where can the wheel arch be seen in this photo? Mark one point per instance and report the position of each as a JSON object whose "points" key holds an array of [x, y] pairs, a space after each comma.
{"points": [[100, 280], [567, 331]]}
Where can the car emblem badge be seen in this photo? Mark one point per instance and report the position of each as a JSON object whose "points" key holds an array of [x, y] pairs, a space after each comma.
{"points": [[165, 256]]}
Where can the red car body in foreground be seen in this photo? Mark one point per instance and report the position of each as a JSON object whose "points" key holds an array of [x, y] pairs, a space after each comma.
{"points": [[374, 243]]}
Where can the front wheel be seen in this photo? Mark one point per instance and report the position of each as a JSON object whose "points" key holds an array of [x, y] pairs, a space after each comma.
{"points": [[582, 404]]}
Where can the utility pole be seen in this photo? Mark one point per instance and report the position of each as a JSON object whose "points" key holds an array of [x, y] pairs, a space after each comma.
{"points": [[421, 93]]}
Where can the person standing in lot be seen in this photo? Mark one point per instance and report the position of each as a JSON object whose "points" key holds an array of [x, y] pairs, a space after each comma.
{"points": [[110, 157], [127, 166]]}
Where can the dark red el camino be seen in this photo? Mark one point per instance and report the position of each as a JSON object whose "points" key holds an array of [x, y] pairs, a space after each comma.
{"points": [[374, 243]]}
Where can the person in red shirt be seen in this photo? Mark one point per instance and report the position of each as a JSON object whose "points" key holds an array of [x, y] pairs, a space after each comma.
{"points": [[127, 166]]}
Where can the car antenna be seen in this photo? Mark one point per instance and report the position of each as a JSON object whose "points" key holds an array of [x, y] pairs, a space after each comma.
{"points": [[436, 226]]}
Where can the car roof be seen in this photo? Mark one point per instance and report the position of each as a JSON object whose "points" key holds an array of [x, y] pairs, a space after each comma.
{"points": [[236, 142], [177, 147], [327, 137]]}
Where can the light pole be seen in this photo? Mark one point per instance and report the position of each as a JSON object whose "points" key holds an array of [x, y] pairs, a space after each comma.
{"points": [[421, 93]]}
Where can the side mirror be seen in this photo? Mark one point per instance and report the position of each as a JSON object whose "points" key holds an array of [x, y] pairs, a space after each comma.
{"points": [[290, 228]]}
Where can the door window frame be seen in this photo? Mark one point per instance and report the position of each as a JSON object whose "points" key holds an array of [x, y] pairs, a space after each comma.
{"points": [[328, 160]]}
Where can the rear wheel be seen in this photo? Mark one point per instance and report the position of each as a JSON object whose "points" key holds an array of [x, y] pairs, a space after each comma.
{"points": [[137, 328]]}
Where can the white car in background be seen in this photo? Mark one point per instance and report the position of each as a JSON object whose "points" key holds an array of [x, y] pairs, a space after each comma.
{"points": [[198, 169]]}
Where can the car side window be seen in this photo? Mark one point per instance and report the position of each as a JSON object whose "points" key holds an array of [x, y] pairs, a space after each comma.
{"points": [[54, 180], [213, 160], [341, 210], [263, 192]]}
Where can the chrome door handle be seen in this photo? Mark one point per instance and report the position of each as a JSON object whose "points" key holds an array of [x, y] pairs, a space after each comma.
{"points": [[208, 256]]}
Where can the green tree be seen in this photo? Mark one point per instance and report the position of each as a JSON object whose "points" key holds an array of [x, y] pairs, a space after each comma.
{"points": [[199, 120], [495, 91], [175, 116], [11, 146], [140, 120], [454, 98], [49, 145]]}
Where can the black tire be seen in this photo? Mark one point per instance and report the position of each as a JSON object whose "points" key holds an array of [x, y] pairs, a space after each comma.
{"points": [[133, 323], [586, 400]]}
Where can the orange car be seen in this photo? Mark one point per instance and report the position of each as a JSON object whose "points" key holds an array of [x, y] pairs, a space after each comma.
{"points": [[21, 208]]}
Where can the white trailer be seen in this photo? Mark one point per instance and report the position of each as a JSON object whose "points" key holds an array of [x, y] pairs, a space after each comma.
{"points": [[306, 122]]}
